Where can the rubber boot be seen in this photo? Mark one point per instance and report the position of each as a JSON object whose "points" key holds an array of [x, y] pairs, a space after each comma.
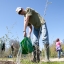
{"points": [[34, 54], [38, 54], [46, 46]]}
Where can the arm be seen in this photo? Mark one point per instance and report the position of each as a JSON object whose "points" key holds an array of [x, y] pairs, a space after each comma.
{"points": [[30, 29], [26, 20]]}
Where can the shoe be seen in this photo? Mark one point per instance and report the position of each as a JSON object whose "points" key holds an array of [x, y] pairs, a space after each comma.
{"points": [[38, 61], [47, 61], [33, 61]]}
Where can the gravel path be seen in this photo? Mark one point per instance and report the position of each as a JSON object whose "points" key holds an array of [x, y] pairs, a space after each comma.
{"points": [[55, 59]]}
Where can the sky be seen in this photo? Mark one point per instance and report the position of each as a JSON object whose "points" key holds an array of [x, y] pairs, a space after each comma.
{"points": [[12, 24]]}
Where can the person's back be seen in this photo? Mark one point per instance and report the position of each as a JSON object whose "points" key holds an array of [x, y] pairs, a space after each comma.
{"points": [[35, 19]]}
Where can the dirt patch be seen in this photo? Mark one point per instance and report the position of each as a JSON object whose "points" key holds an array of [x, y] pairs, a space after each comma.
{"points": [[7, 62]]}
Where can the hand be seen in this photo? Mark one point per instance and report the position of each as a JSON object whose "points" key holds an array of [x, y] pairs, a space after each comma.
{"points": [[29, 35], [24, 34]]}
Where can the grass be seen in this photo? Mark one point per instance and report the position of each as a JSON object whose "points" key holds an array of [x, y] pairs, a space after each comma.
{"points": [[27, 61]]}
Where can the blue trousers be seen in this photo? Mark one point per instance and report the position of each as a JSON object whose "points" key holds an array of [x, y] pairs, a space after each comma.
{"points": [[37, 32], [45, 38], [59, 53]]}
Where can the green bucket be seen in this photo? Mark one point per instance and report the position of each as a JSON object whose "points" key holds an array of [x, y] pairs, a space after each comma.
{"points": [[26, 45]]}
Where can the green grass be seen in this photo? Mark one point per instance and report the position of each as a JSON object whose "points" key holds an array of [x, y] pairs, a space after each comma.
{"points": [[43, 63], [29, 62]]}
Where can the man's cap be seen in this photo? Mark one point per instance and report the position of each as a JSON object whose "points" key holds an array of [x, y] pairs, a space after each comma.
{"points": [[18, 9]]}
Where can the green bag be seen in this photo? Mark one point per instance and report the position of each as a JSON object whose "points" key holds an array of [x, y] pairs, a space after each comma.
{"points": [[26, 45]]}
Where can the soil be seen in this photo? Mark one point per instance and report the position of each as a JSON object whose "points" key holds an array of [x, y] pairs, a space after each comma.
{"points": [[7, 62]]}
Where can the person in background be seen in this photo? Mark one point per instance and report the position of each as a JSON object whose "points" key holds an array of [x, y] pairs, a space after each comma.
{"points": [[58, 47], [3, 46], [12, 48], [33, 18]]}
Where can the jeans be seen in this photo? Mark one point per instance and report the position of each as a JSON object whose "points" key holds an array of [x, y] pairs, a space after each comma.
{"points": [[36, 35], [59, 53], [45, 39]]}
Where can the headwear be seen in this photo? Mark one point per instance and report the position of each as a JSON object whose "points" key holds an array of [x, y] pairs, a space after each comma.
{"points": [[18, 9]]}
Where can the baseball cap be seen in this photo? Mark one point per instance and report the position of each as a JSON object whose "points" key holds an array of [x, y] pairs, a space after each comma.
{"points": [[18, 9]]}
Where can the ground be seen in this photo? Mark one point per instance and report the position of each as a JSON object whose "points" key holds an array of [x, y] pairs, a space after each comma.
{"points": [[7, 62], [55, 59], [10, 61]]}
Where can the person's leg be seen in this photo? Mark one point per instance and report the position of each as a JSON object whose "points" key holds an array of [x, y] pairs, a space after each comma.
{"points": [[36, 51], [45, 39], [46, 47], [59, 53], [34, 54]]}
